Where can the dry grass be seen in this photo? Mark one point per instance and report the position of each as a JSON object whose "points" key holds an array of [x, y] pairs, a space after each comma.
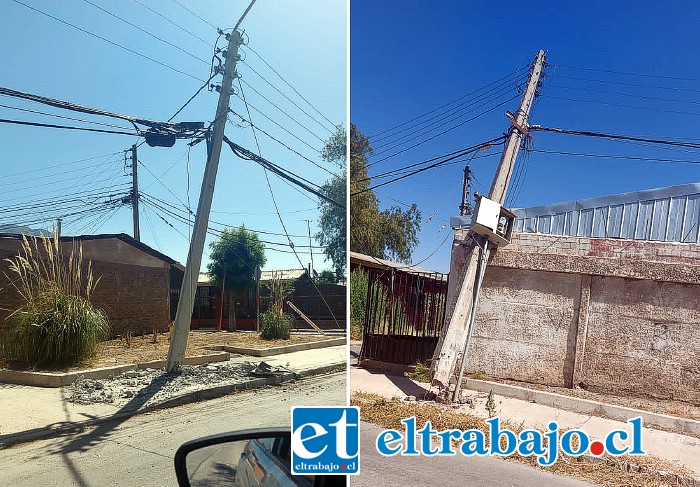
{"points": [[388, 414], [143, 349]]}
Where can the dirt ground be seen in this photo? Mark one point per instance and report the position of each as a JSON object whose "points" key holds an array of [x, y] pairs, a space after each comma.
{"points": [[143, 349]]}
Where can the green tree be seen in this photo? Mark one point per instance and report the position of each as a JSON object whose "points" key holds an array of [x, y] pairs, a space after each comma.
{"points": [[234, 258], [332, 222], [391, 233], [326, 277]]}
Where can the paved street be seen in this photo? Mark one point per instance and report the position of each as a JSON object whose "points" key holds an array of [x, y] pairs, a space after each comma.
{"points": [[139, 451], [398, 471]]}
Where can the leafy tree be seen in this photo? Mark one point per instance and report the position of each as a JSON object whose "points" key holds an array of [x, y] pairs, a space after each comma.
{"points": [[234, 258], [332, 223], [391, 233], [326, 277]]}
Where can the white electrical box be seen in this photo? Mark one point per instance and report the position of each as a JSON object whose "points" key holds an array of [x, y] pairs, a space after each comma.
{"points": [[492, 221]]}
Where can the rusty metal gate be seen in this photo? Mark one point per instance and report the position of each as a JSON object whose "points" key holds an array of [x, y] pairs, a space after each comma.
{"points": [[404, 315]]}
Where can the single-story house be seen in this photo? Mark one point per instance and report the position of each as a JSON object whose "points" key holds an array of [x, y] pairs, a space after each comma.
{"points": [[138, 286]]}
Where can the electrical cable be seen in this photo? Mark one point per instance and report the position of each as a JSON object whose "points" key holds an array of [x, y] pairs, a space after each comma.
{"points": [[107, 40], [443, 132], [171, 22], [540, 128], [279, 125], [65, 117], [285, 145], [289, 99], [514, 73], [287, 83], [164, 41], [67, 127], [293, 119]]}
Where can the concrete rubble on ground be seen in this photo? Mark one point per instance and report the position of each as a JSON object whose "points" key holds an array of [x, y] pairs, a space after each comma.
{"points": [[155, 385]]}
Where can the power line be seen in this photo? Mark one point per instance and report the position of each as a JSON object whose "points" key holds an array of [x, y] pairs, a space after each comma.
{"points": [[627, 73], [171, 22], [623, 105], [512, 74], [111, 154], [284, 145], [441, 161], [64, 117], [107, 40], [498, 90], [206, 83], [283, 173], [618, 93], [66, 105], [66, 127], [45, 176], [611, 156], [293, 119], [540, 128], [287, 83], [277, 124], [193, 13], [289, 99], [444, 131], [264, 232], [460, 152], [624, 83], [164, 41]]}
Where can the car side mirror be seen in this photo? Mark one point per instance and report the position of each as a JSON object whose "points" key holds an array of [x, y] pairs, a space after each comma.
{"points": [[256, 458]]}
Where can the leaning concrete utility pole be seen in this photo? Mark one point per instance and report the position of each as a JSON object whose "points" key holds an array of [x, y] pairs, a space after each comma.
{"points": [[183, 316], [135, 192], [456, 333]]}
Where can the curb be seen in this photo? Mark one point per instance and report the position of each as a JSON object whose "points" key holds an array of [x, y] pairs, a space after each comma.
{"points": [[61, 429], [664, 422], [266, 352], [60, 379]]}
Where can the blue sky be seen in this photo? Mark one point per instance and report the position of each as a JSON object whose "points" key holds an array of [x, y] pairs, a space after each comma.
{"points": [[305, 41], [408, 58]]}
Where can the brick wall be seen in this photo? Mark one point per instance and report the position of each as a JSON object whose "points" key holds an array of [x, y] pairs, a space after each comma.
{"points": [[133, 297], [613, 316]]}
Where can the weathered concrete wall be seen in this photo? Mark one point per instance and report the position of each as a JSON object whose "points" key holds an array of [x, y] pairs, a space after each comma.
{"points": [[537, 348], [614, 316]]}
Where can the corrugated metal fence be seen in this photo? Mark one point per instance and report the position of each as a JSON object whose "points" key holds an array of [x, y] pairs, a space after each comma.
{"points": [[666, 214]]}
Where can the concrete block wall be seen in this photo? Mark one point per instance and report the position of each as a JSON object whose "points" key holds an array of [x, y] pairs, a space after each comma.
{"points": [[134, 298], [613, 316]]}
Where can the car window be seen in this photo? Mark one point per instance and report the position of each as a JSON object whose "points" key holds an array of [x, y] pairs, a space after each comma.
{"points": [[266, 443]]}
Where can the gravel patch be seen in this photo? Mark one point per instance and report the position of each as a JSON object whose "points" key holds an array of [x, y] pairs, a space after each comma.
{"points": [[138, 388]]}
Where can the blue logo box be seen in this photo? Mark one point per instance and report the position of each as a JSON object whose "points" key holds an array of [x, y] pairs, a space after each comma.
{"points": [[325, 440]]}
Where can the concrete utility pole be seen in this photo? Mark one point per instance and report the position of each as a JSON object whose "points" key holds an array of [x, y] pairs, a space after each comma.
{"points": [[457, 331], [135, 192], [178, 343], [311, 250]]}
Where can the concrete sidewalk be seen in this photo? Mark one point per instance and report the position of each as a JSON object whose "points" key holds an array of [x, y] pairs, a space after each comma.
{"points": [[680, 449], [36, 411]]}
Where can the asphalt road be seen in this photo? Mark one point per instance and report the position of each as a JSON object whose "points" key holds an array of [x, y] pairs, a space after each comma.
{"points": [[139, 451], [379, 471]]}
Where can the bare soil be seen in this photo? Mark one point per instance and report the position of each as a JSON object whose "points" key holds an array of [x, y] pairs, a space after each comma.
{"points": [[144, 349]]}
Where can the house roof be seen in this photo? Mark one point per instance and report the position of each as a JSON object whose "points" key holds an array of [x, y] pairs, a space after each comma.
{"points": [[670, 214], [119, 236], [376, 263]]}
